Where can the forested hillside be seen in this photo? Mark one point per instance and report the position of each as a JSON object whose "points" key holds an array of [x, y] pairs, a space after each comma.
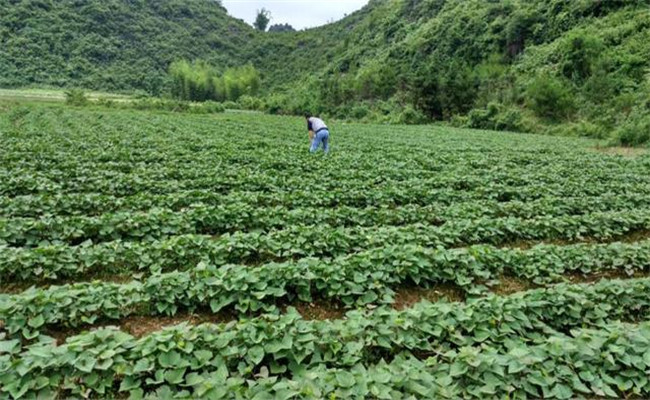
{"points": [[573, 67], [115, 45], [554, 66]]}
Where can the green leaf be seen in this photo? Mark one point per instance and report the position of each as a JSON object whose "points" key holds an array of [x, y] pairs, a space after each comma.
{"points": [[579, 386], [481, 335], [203, 355], [142, 365], [85, 363], [175, 376], [369, 297], [515, 367], [9, 346], [91, 379], [37, 321], [136, 394], [256, 354], [608, 390], [194, 379], [170, 359], [129, 383], [345, 379], [646, 358], [381, 377], [562, 391], [278, 368], [458, 368], [587, 376], [17, 389]]}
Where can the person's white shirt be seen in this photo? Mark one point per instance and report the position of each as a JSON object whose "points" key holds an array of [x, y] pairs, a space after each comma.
{"points": [[315, 124]]}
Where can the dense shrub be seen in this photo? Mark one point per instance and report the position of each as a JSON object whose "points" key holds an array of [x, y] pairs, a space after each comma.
{"points": [[410, 116], [76, 97], [359, 112], [496, 117], [635, 130], [207, 107], [549, 97], [580, 53], [275, 104], [580, 128], [247, 102], [443, 88], [231, 105]]}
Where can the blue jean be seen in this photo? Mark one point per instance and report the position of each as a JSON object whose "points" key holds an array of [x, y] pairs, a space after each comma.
{"points": [[321, 137]]}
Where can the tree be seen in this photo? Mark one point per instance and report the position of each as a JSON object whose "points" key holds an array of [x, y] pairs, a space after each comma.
{"points": [[281, 28], [262, 20]]}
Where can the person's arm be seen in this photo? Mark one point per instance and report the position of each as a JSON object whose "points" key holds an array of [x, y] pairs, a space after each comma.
{"points": [[311, 131]]}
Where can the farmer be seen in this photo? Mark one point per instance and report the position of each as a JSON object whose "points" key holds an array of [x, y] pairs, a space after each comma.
{"points": [[318, 133]]}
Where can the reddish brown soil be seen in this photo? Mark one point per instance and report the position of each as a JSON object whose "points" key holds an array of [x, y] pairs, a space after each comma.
{"points": [[509, 285], [408, 296], [598, 276], [139, 326], [320, 310]]}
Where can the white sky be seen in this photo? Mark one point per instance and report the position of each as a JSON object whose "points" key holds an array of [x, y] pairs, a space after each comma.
{"points": [[298, 13]]}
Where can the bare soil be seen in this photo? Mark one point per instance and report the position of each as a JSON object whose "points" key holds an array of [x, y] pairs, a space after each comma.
{"points": [[509, 285], [408, 296], [321, 311]]}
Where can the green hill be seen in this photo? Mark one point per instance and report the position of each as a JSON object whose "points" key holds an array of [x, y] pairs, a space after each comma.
{"points": [[555, 66], [572, 67], [114, 45]]}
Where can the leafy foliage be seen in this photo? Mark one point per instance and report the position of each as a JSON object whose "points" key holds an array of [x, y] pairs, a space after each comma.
{"points": [[478, 345], [76, 97], [548, 97], [200, 82], [281, 28], [262, 19], [134, 213], [113, 45]]}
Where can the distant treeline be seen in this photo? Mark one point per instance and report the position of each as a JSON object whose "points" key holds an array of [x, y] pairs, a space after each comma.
{"points": [[199, 81]]}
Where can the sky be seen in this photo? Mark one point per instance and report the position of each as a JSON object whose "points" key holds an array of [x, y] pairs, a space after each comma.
{"points": [[298, 13]]}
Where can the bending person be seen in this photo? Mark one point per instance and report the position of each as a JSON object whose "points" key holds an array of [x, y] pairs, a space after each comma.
{"points": [[318, 133]]}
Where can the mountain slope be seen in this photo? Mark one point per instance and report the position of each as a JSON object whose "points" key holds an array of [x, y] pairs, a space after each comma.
{"points": [[577, 67], [112, 44]]}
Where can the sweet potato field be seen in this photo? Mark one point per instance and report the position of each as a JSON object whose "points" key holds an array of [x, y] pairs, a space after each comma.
{"points": [[155, 255]]}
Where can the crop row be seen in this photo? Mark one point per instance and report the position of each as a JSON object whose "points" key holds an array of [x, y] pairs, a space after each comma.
{"points": [[186, 251], [519, 333], [234, 217], [16, 183], [355, 280], [541, 264], [173, 161], [389, 265], [108, 140], [217, 147], [326, 241], [20, 182], [178, 162], [440, 203]]}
